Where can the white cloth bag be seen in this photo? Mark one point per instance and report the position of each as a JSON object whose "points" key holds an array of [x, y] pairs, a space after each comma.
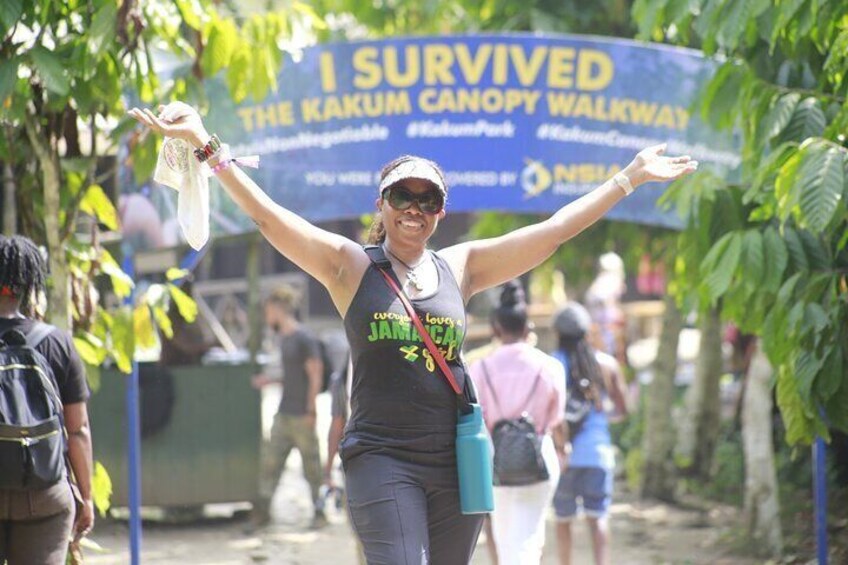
{"points": [[177, 168]]}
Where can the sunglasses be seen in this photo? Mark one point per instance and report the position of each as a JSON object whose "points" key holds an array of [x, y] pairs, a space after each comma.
{"points": [[401, 198]]}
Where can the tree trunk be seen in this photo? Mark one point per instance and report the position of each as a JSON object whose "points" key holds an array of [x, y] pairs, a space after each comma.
{"points": [[701, 419], [58, 310], [10, 209], [762, 507], [658, 476]]}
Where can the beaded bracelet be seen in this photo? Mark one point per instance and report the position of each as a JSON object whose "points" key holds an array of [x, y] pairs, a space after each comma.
{"points": [[211, 148]]}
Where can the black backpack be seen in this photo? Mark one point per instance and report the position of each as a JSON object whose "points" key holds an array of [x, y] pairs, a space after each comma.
{"points": [[518, 457], [32, 427]]}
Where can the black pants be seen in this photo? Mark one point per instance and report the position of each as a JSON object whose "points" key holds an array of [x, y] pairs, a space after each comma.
{"points": [[406, 510]]}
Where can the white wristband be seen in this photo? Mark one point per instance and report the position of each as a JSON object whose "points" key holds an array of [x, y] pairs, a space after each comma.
{"points": [[623, 183]]}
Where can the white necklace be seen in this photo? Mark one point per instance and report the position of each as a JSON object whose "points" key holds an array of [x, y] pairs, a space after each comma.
{"points": [[411, 275]]}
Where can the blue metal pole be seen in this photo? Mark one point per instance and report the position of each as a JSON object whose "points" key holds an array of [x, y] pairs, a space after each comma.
{"points": [[820, 499], [134, 445]]}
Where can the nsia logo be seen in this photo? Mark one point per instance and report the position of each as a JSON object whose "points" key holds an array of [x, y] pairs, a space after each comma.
{"points": [[563, 178]]}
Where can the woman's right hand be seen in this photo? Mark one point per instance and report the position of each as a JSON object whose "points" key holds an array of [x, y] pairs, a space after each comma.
{"points": [[177, 120]]}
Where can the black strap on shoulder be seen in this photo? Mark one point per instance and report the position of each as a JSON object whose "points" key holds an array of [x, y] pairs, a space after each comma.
{"points": [[38, 333], [378, 257]]}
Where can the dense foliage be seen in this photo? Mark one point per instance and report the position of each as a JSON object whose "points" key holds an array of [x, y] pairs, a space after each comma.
{"points": [[771, 248]]}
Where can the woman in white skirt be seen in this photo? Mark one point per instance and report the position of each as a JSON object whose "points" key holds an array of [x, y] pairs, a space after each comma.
{"points": [[518, 379]]}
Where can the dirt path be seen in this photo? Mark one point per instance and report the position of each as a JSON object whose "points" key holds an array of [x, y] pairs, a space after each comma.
{"points": [[642, 534]]}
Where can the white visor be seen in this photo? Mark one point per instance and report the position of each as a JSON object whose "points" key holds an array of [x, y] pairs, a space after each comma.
{"points": [[414, 169]]}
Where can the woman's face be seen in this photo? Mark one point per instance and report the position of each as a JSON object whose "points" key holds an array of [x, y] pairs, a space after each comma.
{"points": [[410, 226]]}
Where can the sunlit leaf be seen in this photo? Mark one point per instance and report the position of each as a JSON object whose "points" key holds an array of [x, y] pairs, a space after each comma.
{"points": [[785, 187], [98, 204], [122, 283], [123, 341], [174, 273], [186, 306], [190, 11], [163, 321], [88, 352], [222, 42], [101, 488], [145, 333]]}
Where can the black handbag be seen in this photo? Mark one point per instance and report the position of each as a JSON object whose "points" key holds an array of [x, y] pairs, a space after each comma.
{"points": [[518, 457]]}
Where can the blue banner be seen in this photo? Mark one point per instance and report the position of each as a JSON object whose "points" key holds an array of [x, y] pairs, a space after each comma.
{"points": [[519, 123]]}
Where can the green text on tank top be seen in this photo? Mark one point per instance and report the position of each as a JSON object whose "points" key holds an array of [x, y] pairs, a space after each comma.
{"points": [[396, 382]]}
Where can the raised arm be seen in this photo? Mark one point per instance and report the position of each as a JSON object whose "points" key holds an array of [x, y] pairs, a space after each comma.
{"points": [[482, 264], [334, 260]]}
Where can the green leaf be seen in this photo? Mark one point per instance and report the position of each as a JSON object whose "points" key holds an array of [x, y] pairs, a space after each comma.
{"points": [[815, 317], [779, 116], [185, 304], [821, 179], [190, 10], [719, 103], [786, 13], [144, 156], [123, 339], [753, 258], [222, 42], [10, 12], [806, 367], [775, 259], [720, 264], [237, 74], [815, 250], [796, 249], [835, 405], [51, 70], [784, 186], [808, 120], [101, 488], [734, 19], [102, 28], [799, 426], [97, 204], [8, 77]]}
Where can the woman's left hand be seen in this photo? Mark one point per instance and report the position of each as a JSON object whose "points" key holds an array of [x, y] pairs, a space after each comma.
{"points": [[651, 165]]}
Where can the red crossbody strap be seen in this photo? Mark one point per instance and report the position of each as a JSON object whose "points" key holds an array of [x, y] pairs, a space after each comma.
{"points": [[434, 351]]}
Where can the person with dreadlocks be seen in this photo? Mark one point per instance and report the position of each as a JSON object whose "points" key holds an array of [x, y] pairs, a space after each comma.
{"points": [[35, 525], [593, 380]]}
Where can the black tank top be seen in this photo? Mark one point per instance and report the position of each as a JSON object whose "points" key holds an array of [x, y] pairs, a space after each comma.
{"points": [[399, 397]]}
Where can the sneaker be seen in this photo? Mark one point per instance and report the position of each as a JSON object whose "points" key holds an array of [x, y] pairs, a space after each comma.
{"points": [[319, 520]]}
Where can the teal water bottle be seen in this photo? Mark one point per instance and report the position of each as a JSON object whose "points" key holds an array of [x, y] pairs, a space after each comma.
{"points": [[474, 463]]}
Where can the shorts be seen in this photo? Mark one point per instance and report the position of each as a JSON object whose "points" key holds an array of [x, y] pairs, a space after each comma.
{"points": [[590, 486]]}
